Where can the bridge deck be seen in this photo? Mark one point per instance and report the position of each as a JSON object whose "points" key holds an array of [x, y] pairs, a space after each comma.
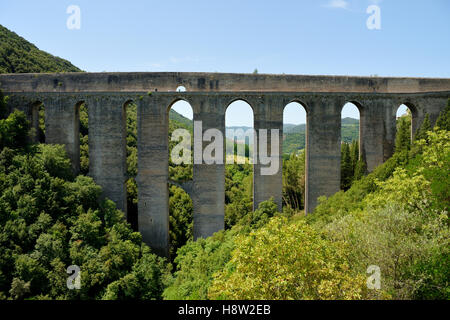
{"points": [[218, 82]]}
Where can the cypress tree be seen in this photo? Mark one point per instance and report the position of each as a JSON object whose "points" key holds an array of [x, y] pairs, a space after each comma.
{"points": [[354, 154], [346, 167], [424, 128], [403, 137], [360, 169]]}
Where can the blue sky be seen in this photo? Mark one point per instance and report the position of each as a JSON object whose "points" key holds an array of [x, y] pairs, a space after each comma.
{"points": [[293, 37]]}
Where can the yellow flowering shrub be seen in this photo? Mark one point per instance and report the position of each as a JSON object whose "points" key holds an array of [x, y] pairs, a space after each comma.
{"points": [[286, 260]]}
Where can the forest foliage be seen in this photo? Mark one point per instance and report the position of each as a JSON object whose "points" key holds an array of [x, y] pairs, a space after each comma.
{"points": [[395, 217], [50, 219], [20, 56]]}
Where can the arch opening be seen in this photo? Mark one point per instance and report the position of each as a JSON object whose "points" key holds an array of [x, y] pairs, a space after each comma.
{"points": [[352, 166], [181, 89], [38, 121], [180, 158], [83, 129], [406, 118], [130, 134], [239, 135], [294, 156]]}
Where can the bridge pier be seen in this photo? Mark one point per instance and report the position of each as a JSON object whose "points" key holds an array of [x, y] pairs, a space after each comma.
{"points": [[153, 172], [209, 179], [323, 149], [31, 110], [377, 131], [268, 114], [107, 148], [62, 126]]}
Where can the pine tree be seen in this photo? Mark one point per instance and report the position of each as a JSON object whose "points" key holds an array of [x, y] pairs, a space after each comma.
{"points": [[443, 121]]}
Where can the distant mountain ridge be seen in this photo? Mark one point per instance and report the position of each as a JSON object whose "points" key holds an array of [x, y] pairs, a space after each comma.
{"points": [[294, 134]]}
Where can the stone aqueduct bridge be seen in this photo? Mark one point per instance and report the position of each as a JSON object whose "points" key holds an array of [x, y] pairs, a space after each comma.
{"points": [[209, 94]]}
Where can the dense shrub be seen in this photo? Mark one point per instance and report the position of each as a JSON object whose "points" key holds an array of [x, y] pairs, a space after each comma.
{"points": [[198, 261], [287, 261], [50, 220]]}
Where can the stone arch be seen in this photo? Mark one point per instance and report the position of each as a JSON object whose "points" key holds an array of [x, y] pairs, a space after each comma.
{"points": [[125, 113], [241, 153], [300, 102], [295, 118], [37, 118], [77, 107], [350, 145], [359, 107], [82, 116], [129, 127], [183, 100], [185, 110], [236, 99], [181, 88], [402, 108], [305, 107], [247, 135], [182, 188]]}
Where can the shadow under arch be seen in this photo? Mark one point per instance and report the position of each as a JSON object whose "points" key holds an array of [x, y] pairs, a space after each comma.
{"points": [[129, 127], [37, 117]]}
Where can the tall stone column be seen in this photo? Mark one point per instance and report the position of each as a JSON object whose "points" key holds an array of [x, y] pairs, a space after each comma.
{"points": [[62, 125], [268, 114], [323, 149], [153, 172], [107, 147], [377, 129], [209, 179]]}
